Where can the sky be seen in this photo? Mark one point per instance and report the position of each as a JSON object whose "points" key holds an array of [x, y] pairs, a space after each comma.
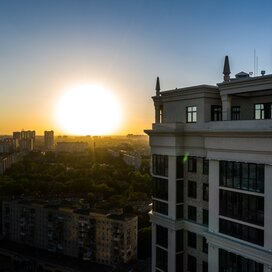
{"points": [[48, 47]]}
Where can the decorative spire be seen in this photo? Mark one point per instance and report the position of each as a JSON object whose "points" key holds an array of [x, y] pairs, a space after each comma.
{"points": [[226, 70], [158, 87]]}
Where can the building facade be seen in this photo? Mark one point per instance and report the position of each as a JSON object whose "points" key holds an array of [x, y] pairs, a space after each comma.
{"points": [[212, 169], [103, 237], [49, 140]]}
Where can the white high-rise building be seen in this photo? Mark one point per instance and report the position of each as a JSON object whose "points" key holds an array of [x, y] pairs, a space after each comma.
{"points": [[212, 168]]}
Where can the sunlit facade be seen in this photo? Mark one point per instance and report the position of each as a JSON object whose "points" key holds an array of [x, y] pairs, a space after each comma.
{"points": [[212, 169]]}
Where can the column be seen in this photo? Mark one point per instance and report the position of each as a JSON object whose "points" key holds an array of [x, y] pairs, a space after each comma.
{"points": [[213, 258], [171, 250], [268, 207], [213, 196], [153, 247], [157, 114], [172, 187], [226, 107]]}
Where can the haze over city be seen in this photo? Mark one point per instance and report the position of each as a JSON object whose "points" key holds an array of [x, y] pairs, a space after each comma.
{"points": [[49, 48]]}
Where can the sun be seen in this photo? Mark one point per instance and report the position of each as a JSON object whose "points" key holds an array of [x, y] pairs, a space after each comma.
{"points": [[88, 110]]}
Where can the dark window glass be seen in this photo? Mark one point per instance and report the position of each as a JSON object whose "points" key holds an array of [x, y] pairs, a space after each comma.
{"points": [[179, 167], [179, 240], [192, 189], [244, 207], [160, 188], [191, 264], [191, 239], [192, 164], [179, 262], [204, 245], [240, 175], [191, 114], [205, 167], [216, 113], [160, 165], [160, 207], [205, 192], [162, 236], [205, 217], [179, 211], [235, 113], [179, 191], [161, 259], [204, 267], [231, 262], [192, 213], [240, 231]]}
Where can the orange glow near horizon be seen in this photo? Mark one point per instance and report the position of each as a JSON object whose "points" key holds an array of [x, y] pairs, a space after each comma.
{"points": [[88, 110]]}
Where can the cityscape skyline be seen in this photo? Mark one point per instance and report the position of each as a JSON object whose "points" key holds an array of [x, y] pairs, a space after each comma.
{"points": [[47, 48]]}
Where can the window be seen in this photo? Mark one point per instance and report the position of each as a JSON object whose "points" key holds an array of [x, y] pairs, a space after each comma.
{"points": [[240, 175], [179, 191], [235, 113], [244, 207], [179, 240], [205, 167], [192, 189], [191, 264], [232, 262], [263, 111], [179, 211], [179, 262], [192, 164], [216, 113], [191, 114], [205, 217], [192, 213], [204, 245], [160, 207], [243, 232], [205, 267], [179, 167], [259, 111], [160, 188], [205, 190], [161, 236], [161, 259], [160, 165], [191, 239]]}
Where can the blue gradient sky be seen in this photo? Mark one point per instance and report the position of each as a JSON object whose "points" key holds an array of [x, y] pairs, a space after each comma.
{"points": [[49, 46]]}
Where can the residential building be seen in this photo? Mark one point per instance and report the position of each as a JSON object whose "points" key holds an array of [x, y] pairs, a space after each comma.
{"points": [[211, 152], [26, 139], [49, 140], [91, 235]]}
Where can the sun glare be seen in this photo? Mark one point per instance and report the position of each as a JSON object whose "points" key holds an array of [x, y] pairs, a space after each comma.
{"points": [[88, 110]]}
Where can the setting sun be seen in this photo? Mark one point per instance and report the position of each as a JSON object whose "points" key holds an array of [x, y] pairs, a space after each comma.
{"points": [[88, 110]]}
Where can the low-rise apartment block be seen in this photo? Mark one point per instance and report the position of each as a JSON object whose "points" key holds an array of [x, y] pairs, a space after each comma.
{"points": [[103, 237]]}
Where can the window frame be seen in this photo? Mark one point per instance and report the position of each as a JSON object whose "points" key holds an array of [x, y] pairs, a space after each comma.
{"points": [[191, 114]]}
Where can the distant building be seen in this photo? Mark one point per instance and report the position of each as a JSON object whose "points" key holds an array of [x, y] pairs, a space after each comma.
{"points": [[132, 158], [8, 145], [212, 170], [26, 139], [72, 147], [7, 160], [49, 140], [98, 236]]}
